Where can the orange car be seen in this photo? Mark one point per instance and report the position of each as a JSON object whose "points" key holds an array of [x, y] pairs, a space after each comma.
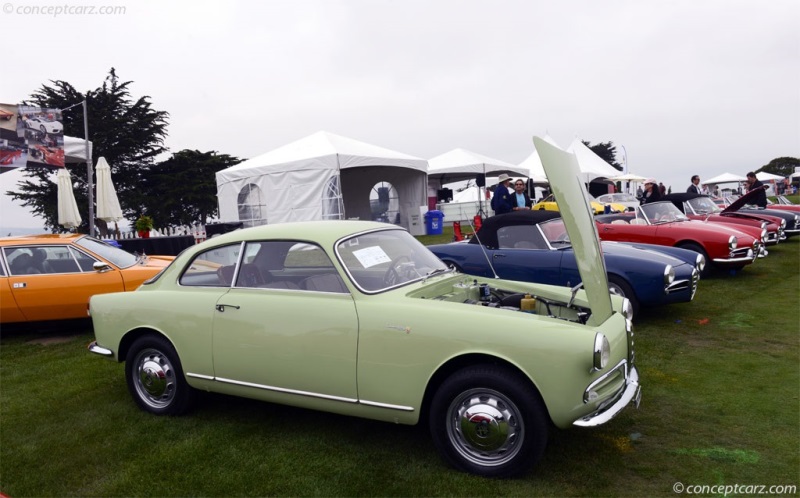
{"points": [[52, 277]]}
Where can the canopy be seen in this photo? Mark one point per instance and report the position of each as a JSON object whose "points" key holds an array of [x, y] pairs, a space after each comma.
{"points": [[460, 164], [68, 214], [724, 178], [533, 164], [591, 165], [323, 176], [75, 150], [628, 177], [768, 177]]}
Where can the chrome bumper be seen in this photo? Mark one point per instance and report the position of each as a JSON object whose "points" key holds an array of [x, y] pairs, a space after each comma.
{"points": [[94, 348], [631, 394]]}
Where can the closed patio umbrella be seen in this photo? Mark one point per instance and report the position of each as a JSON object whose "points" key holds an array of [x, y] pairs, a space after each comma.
{"points": [[107, 202], [68, 214]]}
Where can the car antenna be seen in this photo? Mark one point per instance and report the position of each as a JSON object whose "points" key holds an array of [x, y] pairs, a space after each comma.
{"points": [[483, 249]]}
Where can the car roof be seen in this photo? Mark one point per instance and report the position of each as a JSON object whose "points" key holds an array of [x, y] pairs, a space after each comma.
{"points": [[487, 235], [324, 232], [44, 238]]}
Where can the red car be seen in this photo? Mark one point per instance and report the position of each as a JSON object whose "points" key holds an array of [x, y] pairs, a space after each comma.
{"points": [[663, 224], [48, 155], [783, 204], [701, 207]]}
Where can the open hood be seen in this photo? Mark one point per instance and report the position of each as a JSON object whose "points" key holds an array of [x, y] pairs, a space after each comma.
{"points": [[566, 182], [741, 201]]}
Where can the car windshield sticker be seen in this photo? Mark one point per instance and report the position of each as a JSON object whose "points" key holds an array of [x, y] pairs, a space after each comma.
{"points": [[371, 256]]}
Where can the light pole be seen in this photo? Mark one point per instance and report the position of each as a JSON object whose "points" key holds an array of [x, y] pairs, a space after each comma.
{"points": [[625, 167]]}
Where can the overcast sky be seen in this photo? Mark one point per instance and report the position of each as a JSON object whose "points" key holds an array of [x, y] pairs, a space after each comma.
{"points": [[698, 86]]}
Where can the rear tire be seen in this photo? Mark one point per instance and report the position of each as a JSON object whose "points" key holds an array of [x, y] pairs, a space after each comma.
{"points": [[488, 421], [155, 377]]}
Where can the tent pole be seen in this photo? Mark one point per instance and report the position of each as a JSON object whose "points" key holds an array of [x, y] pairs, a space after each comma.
{"points": [[90, 180]]}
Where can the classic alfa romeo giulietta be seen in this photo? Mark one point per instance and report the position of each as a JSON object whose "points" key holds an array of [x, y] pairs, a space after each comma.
{"points": [[359, 318]]}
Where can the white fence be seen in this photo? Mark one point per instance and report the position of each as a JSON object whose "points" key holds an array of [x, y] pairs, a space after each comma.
{"points": [[196, 231]]}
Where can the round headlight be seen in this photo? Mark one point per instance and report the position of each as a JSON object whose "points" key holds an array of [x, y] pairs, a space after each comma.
{"points": [[764, 235], [669, 274], [732, 242], [700, 262], [602, 352], [627, 309]]}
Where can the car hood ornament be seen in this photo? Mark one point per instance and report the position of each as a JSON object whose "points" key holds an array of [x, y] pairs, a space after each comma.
{"points": [[567, 185]]}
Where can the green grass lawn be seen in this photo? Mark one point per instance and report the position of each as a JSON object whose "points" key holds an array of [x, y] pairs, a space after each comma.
{"points": [[720, 406]]}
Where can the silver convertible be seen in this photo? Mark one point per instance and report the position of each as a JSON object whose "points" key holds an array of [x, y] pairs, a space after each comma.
{"points": [[359, 318]]}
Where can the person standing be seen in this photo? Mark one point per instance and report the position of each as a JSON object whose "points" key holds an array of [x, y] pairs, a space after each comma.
{"points": [[652, 192], [520, 199], [662, 189], [695, 186], [501, 201], [754, 183]]}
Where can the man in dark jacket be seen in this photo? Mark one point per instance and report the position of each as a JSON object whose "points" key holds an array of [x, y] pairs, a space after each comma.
{"points": [[695, 186], [754, 183], [501, 201]]}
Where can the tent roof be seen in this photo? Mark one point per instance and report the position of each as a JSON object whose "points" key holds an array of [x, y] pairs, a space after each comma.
{"points": [[329, 150], [533, 164], [591, 165], [461, 164], [765, 177], [724, 178]]}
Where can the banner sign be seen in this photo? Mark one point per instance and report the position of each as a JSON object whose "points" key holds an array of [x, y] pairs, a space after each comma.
{"points": [[30, 136]]}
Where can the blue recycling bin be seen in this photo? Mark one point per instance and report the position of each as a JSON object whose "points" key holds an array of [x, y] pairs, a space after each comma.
{"points": [[433, 222]]}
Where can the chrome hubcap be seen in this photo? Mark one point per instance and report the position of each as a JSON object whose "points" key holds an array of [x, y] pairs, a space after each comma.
{"points": [[485, 427], [155, 378]]}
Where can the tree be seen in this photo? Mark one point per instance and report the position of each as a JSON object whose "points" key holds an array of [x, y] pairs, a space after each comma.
{"points": [[783, 166], [607, 152], [128, 133], [182, 190]]}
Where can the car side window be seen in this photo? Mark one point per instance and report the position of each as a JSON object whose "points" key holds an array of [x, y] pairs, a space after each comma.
{"points": [[212, 268], [289, 265], [520, 237], [84, 261]]}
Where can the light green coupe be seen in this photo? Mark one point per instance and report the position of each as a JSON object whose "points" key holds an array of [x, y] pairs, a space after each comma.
{"points": [[359, 318]]}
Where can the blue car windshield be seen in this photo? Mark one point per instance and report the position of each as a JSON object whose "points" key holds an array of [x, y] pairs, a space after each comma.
{"points": [[385, 259]]}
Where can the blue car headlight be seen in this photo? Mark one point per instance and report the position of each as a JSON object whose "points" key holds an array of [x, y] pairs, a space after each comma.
{"points": [[669, 274]]}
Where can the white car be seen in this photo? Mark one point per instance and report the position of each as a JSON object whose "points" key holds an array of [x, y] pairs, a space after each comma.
{"points": [[626, 200], [43, 125]]}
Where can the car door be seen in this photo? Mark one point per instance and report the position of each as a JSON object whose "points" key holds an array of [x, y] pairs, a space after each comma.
{"points": [[9, 311], [287, 335], [62, 288]]}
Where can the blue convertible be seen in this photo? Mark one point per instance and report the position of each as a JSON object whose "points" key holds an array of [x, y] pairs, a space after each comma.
{"points": [[533, 246]]}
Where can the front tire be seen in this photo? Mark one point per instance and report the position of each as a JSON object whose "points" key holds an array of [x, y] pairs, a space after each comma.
{"points": [[155, 377], [488, 421], [618, 286], [697, 248]]}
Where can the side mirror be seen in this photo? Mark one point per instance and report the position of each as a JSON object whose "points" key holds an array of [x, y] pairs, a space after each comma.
{"points": [[101, 266]]}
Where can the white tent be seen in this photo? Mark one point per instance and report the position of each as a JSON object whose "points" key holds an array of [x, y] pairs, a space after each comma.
{"points": [[322, 176], [768, 177], [724, 178], [533, 164], [75, 150], [460, 164], [592, 166]]}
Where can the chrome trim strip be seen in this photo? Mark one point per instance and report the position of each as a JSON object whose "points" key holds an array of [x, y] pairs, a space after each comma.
{"points": [[676, 286], [302, 393], [283, 390], [622, 365], [733, 260], [94, 348], [387, 405]]}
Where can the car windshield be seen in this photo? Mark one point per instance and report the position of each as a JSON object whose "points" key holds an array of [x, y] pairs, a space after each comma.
{"points": [[702, 205], [115, 256], [384, 259], [662, 212], [556, 233], [623, 198]]}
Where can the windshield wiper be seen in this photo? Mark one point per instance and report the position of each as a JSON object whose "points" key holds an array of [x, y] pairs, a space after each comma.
{"points": [[437, 271]]}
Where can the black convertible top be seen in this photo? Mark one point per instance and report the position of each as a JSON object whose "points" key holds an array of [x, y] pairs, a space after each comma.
{"points": [[678, 198], [487, 235]]}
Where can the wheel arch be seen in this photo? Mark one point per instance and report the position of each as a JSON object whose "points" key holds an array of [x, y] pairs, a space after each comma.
{"points": [[469, 360], [129, 338]]}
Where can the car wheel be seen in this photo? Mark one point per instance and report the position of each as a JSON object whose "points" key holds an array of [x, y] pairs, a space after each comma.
{"points": [[618, 286], [155, 377], [697, 248], [488, 421]]}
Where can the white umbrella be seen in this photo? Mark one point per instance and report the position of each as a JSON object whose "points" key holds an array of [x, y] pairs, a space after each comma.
{"points": [[68, 214], [107, 203]]}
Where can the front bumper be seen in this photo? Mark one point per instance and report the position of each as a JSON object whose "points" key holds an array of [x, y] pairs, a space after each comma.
{"points": [[632, 393]]}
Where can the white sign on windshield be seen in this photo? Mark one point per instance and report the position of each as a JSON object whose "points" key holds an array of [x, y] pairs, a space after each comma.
{"points": [[371, 256]]}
